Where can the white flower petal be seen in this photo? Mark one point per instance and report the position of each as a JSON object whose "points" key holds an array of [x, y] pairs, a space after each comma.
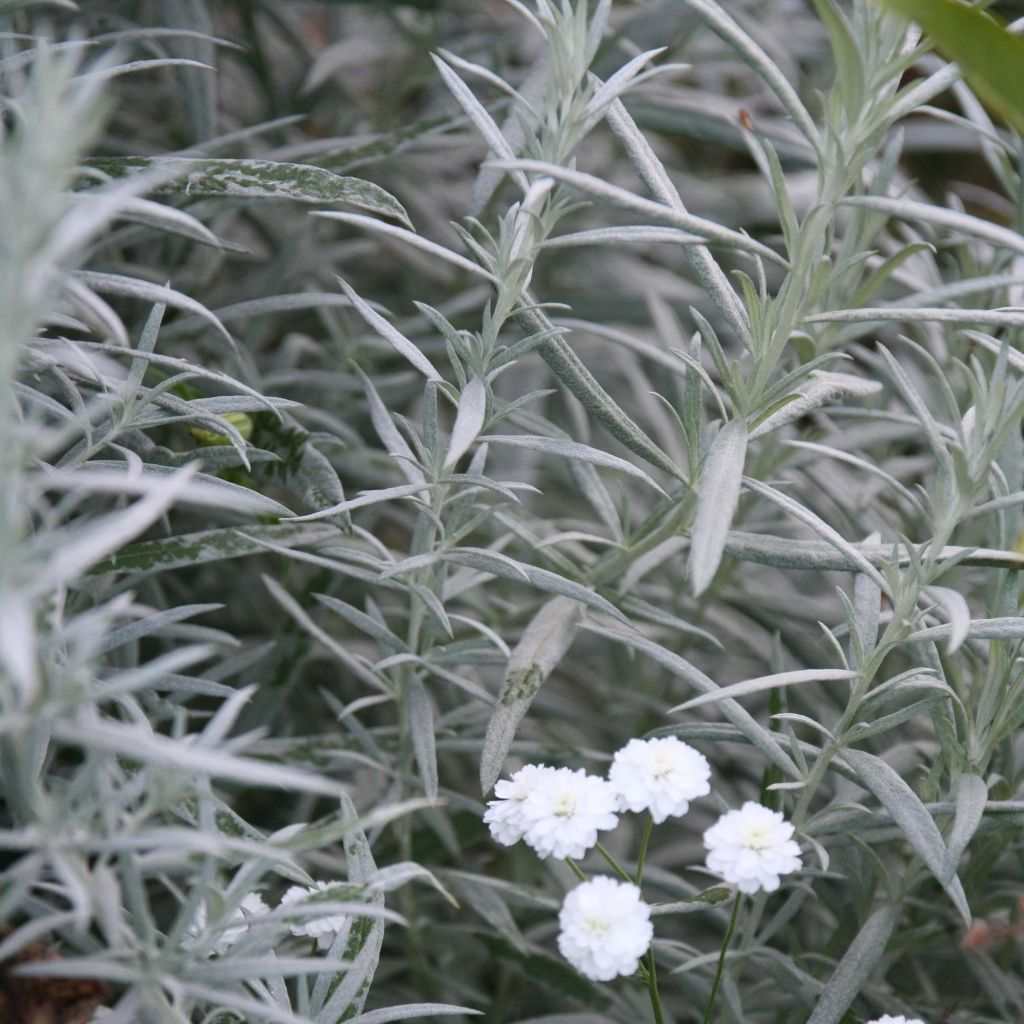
{"points": [[251, 906], [605, 928], [505, 816], [886, 1019], [557, 811], [315, 927], [660, 775], [752, 848], [563, 814]]}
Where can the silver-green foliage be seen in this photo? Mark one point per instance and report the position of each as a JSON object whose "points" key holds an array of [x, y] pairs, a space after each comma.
{"points": [[702, 418]]}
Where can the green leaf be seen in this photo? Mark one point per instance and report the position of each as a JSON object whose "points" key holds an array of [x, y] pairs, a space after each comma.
{"points": [[789, 553], [366, 498], [572, 450], [567, 366], [857, 963], [717, 497], [971, 796], [991, 58], [206, 546], [401, 344], [255, 179], [341, 996], [913, 819], [849, 65], [469, 421], [209, 491], [410, 1010], [544, 643], [509, 568], [701, 901], [810, 675], [420, 713]]}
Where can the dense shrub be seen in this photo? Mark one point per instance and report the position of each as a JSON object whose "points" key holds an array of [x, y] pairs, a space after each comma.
{"points": [[396, 394]]}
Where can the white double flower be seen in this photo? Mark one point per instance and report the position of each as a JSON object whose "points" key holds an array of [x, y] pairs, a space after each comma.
{"points": [[752, 848], [556, 811], [605, 928]]}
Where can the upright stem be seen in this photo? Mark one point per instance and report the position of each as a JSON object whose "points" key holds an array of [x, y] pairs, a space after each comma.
{"points": [[614, 864], [642, 855], [721, 959], [576, 869], [652, 989], [652, 969]]}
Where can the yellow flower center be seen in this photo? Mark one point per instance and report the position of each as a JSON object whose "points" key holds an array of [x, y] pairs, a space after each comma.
{"points": [[565, 805], [758, 837]]}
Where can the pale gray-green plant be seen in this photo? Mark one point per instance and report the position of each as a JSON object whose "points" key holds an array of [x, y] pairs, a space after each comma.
{"points": [[702, 417]]}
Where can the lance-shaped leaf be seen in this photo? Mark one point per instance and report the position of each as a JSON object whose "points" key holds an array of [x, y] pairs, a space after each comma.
{"points": [[341, 996], [139, 743], [497, 564], [748, 686], [656, 213], [207, 546], [717, 496], [853, 970], [913, 819], [1010, 627], [420, 713], [255, 179], [469, 419], [959, 614], [751, 53], [398, 341], [654, 175], [867, 598], [571, 371], [787, 553], [408, 1011], [922, 314], [971, 796], [820, 390], [209, 491], [816, 523], [366, 498], [544, 643], [928, 213], [573, 450]]}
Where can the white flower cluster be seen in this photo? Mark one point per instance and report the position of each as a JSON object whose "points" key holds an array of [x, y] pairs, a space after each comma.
{"points": [[558, 812], [752, 848], [605, 928], [321, 928]]}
